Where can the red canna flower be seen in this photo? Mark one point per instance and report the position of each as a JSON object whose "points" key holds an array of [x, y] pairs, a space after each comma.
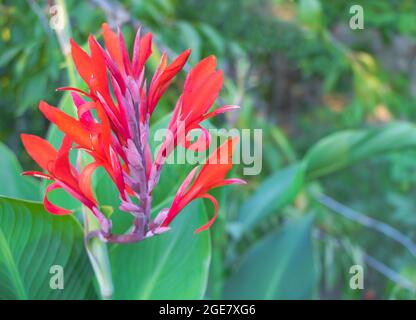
{"points": [[201, 89], [212, 175], [63, 174], [112, 125], [93, 137]]}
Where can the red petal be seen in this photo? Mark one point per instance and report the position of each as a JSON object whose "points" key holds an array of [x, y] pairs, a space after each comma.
{"points": [[142, 52], [186, 183], [219, 111], [73, 90], [77, 99], [200, 72], [98, 66], [82, 62], [124, 53], [37, 174], [67, 125], [84, 180], [39, 150], [201, 98], [202, 143], [228, 182], [210, 222], [62, 169], [117, 172], [217, 166], [164, 77], [112, 44], [49, 206]]}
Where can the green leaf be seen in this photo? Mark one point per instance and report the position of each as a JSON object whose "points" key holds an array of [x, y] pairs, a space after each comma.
{"points": [[173, 265], [31, 242], [8, 55], [275, 192], [280, 266], [310, 14], [16, 186], [191, 38], [345, 148]]}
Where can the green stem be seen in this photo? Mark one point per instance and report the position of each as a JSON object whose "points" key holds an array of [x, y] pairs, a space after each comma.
{"points": [[98, 254]]}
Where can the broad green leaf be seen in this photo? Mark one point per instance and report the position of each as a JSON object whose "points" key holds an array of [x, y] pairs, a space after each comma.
{"points": [[14, 185], [345, 148], [31, 242], [274, 193], [280, 266], [173, 265]]}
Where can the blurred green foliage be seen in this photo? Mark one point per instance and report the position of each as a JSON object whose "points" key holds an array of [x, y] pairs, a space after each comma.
{"points": [[336, 107]]}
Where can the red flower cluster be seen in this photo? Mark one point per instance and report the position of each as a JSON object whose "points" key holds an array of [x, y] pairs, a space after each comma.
{"points": [[113, 127]]}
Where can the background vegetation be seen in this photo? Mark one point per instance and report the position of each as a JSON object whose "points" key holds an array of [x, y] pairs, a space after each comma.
{"points": [[337, 109]]}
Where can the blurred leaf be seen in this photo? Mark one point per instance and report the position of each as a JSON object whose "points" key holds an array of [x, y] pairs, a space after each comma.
{"points": [[173, 265], [310, 14], [280, 266], [31, 242], [13, 184], [34, 90], [345, 148], [191, 39], [213, 37], [275, 192], [8, 55]]}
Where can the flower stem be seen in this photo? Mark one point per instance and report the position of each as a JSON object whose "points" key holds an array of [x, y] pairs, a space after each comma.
{"points": [[98, 254]]}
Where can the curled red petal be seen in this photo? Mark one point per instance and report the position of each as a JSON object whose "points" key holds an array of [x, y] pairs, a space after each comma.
{"points": [[49, 206], [211, 221], [202, 143], [84, 180]]}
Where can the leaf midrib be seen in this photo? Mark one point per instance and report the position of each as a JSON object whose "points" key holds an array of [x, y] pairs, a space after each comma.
{"points": [[155, 274]]}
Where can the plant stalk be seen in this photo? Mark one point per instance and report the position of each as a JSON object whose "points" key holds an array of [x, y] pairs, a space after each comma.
{"points": [[98, 254]]}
